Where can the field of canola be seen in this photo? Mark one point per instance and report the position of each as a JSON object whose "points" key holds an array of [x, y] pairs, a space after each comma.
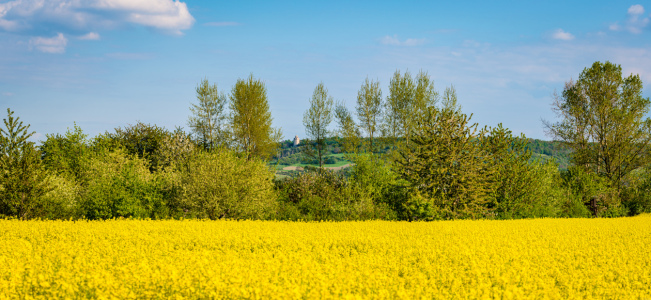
{"points": [[123, 259]]}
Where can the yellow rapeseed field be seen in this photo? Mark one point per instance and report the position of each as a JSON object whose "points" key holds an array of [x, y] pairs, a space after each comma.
{"points": [[123, 259]]}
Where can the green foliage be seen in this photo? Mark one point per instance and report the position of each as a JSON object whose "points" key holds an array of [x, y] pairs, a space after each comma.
{"points": [[347, 129], [62, 199], [118, 184], [397, 106], [221, 185], [251, 120], [637, 193], [445, 165], [66, 154], [326, 195], [369, 109], [143, 140], [316, 121], [520, 187], [407, 102], [603, 122], [208, 117], [176, 148], [23, 180], [374, 178], [596, 193]]}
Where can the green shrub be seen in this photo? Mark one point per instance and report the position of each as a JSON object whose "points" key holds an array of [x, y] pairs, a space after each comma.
{"points": [[541, 196], [62, 199], [636, 194], [222, 185], [593, 191], [116, 184], [326, 195]]}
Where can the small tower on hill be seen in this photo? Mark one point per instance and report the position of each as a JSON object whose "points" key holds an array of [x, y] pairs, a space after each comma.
{"points": [[296, 141]]}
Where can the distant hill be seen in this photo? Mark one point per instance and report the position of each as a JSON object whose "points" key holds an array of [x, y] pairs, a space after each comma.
{"points": [[290, 155], [550, 150]]}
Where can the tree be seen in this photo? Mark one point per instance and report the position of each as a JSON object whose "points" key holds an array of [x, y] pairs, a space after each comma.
{"points": [[425, 94], [316, 121], [65, 154], [176, 148], [407, 102], [347, 128], [602, 121], [142, 140], [369, 108], [447, 170], [401, 93], [208, 116], [251, 120], [23, 181]]}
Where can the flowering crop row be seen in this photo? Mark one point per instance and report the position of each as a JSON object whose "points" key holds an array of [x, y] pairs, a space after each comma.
{"points": [[123, 259]]}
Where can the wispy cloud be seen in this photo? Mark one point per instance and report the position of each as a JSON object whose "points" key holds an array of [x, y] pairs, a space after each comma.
{"points": [[129, 56], [395, 41], [7, 94], [560, 34], [90, 36], [636, 21], [221, 24], [56, 44], [71, 16]]}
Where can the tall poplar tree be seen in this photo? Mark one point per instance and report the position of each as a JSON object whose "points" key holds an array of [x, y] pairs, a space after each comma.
{"points": [[251, 120], [207, 120], [316, 120], [369, 108], [401, 94]]}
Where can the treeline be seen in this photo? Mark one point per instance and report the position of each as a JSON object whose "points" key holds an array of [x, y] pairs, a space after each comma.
{"points": [[416, 156], [288, 154]]}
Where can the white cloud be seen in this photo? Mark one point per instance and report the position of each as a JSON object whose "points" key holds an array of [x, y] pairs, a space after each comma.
{"points": [[635, 23], [560, 34], [170, 16], [90, 36], [55, 44], [636, 9], [221, 24], [395, 41]]}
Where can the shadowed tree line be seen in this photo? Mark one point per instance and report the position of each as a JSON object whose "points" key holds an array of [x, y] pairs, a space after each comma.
{"points": [[416, 154]]}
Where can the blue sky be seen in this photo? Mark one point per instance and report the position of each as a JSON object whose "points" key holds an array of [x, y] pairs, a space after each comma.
{"points": [[109, 63]]}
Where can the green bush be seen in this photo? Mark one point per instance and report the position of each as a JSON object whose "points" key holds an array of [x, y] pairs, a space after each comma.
{"points": [[593, 191], [116, 184], [62, 199], [222, 185], [542, 193], [636, 194], [326, 195]]}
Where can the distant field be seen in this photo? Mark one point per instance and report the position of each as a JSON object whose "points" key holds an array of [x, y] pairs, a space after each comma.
{"points": [[339, 164], [518, 259]]}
